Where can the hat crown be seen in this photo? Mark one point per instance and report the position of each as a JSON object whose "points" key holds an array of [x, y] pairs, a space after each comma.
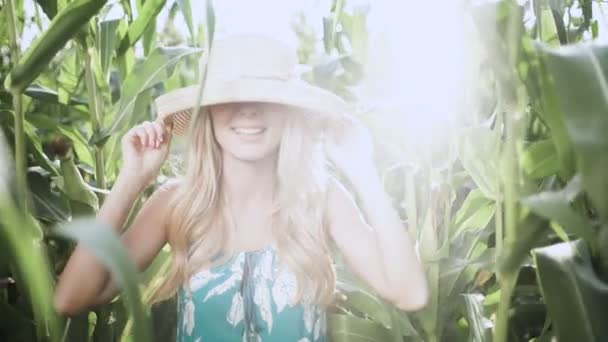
{"points": [[250, 56]]}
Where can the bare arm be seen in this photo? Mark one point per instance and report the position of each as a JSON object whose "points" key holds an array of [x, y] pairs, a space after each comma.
{"points": [[380, 252], [86, 282]]}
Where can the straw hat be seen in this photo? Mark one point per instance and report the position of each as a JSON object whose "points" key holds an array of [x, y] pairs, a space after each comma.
{"points": [[250, 68]]}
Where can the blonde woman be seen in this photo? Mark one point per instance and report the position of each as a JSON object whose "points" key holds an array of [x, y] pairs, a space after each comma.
{"points": [[254, 218]]}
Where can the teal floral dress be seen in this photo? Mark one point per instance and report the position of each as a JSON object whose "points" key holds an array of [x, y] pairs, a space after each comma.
{"points": [[248, 298]]}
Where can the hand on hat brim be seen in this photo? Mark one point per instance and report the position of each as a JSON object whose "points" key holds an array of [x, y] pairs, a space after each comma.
{"points": [[349, 145]]}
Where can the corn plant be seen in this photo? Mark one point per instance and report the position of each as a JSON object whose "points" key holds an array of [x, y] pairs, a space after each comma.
{"points": [[510, 220], [557, 190], [75, 91]]}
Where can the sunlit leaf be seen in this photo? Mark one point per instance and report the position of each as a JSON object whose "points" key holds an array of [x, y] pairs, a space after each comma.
{"points": [[478, 153]]}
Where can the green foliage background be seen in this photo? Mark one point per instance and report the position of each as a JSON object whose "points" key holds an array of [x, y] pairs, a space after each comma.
{"points": [[511, 221]]}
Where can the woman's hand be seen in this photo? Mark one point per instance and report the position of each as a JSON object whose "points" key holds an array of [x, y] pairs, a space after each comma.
{"points": [[350, 148], [144, 150]]}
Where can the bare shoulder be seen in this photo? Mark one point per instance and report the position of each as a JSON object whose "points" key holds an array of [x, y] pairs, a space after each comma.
{"points": [[163, 194]]}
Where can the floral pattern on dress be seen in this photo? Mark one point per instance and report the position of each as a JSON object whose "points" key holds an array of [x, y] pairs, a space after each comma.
{"points": [[216, 310], [284, 289]]}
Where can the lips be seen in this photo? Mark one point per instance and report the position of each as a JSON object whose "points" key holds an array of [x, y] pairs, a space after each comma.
{"points": [[248, 131]]}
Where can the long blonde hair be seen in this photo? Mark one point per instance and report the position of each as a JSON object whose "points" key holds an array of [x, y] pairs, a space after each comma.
{"points": [[197, 228]]}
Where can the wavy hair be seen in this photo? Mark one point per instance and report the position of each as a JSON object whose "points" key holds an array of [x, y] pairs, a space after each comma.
{"points": [[197, 230]]}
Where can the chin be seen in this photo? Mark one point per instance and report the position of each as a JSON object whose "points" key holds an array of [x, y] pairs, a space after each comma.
{"points": [[253, 156]]}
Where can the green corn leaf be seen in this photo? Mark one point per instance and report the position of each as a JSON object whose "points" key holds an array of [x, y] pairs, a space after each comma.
{"points": [[210, 16], [106, 42], [49, 7], [478, 151], [555, 205], [576, 299], [65, 25], [146, 17], [23, 236], [186, 9], [475, 213], [34, 145], [346, 328], [480, 327], [83, 199], [105, 244], [529, 231], [370, 306], [42, 93], [580, 81], [429, 252], [80, 144], [327, 35], [157, 67], [50, 205], [540, 159]]}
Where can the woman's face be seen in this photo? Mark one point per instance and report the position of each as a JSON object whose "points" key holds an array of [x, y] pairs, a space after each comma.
{"points": [[249, 131]]}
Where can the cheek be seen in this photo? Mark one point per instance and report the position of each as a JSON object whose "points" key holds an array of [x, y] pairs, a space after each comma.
{"points": [[219, 120], [220, 126], [274, 137], [278, 123]]}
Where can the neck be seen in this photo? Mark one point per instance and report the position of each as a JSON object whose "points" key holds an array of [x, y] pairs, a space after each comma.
{"points": [[248, 183]]}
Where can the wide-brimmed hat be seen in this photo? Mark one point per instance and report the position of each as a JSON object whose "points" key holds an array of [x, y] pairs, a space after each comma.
{"points": [[250, 68]]}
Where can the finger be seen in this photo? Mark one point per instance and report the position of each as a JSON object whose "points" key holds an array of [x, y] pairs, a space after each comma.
{"points": [[140, 132], [160, 132], [168, 129], [152, 138], [169, 126], [131, 135]]}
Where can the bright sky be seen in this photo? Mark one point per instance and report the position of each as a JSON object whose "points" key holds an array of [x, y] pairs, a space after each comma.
{"points": [[269, 17], [417, 48]]}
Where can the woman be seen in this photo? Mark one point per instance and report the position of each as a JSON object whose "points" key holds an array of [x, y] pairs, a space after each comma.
{"points": [[253, 220]]}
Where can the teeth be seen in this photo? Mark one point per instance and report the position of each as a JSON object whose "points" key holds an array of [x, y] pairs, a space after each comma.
{"points": [[244, 130]]}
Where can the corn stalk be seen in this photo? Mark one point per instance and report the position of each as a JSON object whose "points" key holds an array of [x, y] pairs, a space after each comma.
{"points": [[512, 94], [20, 156], [96, 115]]}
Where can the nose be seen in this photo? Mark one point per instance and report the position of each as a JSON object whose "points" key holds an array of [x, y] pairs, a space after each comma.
{"points": [[248, 110]]}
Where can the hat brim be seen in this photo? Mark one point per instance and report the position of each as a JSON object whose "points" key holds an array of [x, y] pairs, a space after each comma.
{"points": [[320, 103]]}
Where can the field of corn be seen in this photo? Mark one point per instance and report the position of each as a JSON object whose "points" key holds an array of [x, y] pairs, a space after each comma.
{"points": [[510, 215]]}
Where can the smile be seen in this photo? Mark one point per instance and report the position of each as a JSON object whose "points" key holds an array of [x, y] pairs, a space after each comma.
{"points": [[248, 130]]}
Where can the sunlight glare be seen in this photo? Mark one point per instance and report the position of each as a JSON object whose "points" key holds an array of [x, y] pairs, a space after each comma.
{"points": [[417, 70]]}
